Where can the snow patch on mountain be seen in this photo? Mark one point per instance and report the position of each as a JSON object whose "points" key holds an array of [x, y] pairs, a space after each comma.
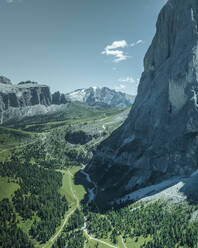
{"points": [[103, 95]]}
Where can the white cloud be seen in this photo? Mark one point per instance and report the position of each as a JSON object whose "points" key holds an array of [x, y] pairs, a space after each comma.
{"points": [[120, 87], [113, 50], [129, 80], [117, 44], [13, 1], [137, 43]]}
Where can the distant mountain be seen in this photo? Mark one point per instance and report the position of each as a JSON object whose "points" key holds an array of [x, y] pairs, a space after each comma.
{"points": [[101, 95], [28, 102], [27, 99]]}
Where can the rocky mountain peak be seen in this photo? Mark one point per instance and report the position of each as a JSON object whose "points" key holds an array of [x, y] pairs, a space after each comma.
{"points": [[176, 30], [160, 137], [28, 83], [103, 95], [4, 80], [58, 98]]}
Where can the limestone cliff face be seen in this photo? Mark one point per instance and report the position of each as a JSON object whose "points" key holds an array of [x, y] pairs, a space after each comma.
{"points": [[4, 80], [23, 94], [27, 99], [58, 98], [160, 137]]}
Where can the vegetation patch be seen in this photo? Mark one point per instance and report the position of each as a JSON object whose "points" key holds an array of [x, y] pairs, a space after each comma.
{"points": [[7, 187]]}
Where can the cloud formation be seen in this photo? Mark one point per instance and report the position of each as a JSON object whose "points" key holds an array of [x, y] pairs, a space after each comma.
{"points": [[128, 80], [120, 87], [117, 44], [13, 1], [114, 51], [137, 43]]}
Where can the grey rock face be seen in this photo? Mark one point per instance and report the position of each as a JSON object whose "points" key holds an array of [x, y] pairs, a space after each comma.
{"points": [[160, 137], [58, 98], [103, 95], [22, 95], [16, 101], [4, 80], [27, 82], [30, 114]]}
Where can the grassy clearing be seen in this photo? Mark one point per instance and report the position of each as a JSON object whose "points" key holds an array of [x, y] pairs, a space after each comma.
{"points": [[25, 227], [79, 189], [136, 242], [7, 188], [67, 192], [68, 189], [120, 244], [4, 155], [68, 182], [76, 113], [11, 138], [93, 244]]}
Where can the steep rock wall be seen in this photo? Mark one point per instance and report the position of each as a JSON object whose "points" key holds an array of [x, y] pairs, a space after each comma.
{"points": [[160, 137]]}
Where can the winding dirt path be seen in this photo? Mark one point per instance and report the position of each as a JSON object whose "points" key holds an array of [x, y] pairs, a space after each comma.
{"points": [[52, 240], [77, 205], [123, 242]]}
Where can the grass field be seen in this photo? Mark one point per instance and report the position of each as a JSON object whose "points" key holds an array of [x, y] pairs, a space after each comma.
{"points": [[93, 244], [136, 242], [65, 189], [7, 188], [79, 190], [11, 138], [74, 188], [73, 193]]}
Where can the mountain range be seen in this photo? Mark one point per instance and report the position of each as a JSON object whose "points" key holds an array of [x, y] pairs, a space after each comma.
{"points": [[28, 99], [104, 95]]}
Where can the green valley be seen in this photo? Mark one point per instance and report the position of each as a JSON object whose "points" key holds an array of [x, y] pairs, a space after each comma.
{"points": [[46, 194], [38, 169]]}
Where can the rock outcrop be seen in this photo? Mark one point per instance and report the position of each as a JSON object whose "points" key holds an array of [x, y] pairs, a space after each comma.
{"points": [[101, 95], [4, 80], [23, 95], [27, 99], [160, 137], [58, 98]]}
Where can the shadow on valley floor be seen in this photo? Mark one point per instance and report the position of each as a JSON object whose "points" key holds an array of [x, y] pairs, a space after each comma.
{"points": [[98, 205], [80, 179], [190, 188], [174, 189]]}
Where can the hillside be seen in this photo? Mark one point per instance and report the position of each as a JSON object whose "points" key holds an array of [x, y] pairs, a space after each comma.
{"points": [[31, 102], [34, 168]]}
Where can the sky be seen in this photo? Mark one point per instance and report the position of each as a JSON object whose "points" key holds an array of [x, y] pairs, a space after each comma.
{"points": [[73, 44]]}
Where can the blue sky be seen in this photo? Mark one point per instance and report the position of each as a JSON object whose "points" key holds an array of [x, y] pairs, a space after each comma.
{"points": [[72, 44]]}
